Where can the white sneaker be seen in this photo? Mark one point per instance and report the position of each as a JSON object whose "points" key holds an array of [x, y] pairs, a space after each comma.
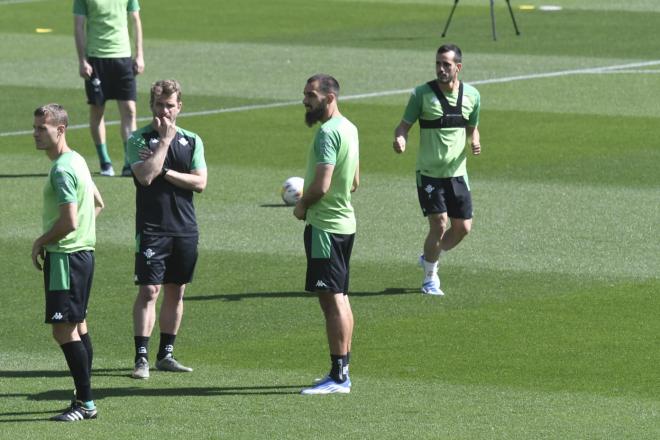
{"points": [[141, 370], [328, 386], [431, 286], [106, 170]]}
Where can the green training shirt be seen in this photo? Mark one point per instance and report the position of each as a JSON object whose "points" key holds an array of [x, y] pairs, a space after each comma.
{"points": [[69, 181], [441, 152], [107, 26], [336, 142]]}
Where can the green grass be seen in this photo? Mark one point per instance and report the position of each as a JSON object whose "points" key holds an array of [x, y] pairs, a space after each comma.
{"points": [[549, 327]]}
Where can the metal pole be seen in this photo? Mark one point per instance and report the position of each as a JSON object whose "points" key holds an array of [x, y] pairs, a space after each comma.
{"points": [[515, 26], [492, 18], [449, 19]]}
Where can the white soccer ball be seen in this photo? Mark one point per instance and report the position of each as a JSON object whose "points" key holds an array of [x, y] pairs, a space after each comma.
{"points": [[292, 190]]}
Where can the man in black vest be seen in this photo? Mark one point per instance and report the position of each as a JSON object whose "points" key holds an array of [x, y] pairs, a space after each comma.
{"points": [[448, 113], [168, 168]]}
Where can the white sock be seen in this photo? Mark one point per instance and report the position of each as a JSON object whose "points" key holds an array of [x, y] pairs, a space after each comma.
{"points": [[430, 268]]}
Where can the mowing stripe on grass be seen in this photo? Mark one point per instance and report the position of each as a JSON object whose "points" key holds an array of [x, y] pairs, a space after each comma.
{"points": [[590, 70]]}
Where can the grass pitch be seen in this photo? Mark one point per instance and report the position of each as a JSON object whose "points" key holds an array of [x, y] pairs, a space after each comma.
{"points": [[549, 327]]}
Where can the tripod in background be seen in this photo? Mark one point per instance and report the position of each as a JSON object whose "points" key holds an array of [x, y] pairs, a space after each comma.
{"points": [[492, 18]]}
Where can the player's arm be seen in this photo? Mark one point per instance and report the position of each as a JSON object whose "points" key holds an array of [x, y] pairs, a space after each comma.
{"points": [[98, 202], [401, 136], [356, 178], [473, 134], [316, 190], [149, 168], [66, 222], [193, 181], [138, 62], [84, 68]]}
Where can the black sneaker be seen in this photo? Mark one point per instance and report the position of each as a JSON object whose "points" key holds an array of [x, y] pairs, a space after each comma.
{"points": [[75, 413], [126, 171]]}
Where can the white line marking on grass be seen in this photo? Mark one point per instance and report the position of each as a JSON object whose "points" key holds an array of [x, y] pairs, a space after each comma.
{"points": [[11, 2], [609, 72], [605, 69]]}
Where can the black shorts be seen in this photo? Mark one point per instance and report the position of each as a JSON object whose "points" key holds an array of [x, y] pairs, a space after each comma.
{"points": [[440, 195], [112, 78], [165, 260], [328, 258], [67, 284]]}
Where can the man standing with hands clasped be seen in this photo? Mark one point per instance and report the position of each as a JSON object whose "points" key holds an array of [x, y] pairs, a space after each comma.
{"points": [[448, 111], [332, 174], [168, 168]]}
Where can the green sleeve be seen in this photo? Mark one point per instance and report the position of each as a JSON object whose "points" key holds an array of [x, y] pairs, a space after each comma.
{"points": [[473, 121], [133, 6], [63, 181], [326, 146], [198, 161], [414, 107], [79, 7], [133, 146]]}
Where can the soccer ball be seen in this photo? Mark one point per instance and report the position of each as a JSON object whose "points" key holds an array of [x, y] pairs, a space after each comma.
{"points": [[292, 190]]}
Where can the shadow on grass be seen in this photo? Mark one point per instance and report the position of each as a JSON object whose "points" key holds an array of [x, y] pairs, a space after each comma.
{"points": [[275, 295], [16, 176], [18, 374], [275, 205], [102, 393]]}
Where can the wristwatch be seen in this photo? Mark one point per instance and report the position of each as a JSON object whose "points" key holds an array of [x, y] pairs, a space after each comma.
{"points": [[164, 171]]}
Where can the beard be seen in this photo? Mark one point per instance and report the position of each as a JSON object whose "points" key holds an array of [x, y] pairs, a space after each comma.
{"points": [[315, 114], [444, 78]]}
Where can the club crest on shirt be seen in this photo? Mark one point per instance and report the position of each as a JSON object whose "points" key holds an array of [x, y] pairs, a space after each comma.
{"points": [[183, 141]]}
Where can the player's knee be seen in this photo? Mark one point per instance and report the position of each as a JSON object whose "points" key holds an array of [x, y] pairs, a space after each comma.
{"points": [[437, 225], [128, 110], [96, 112], [148, 293], [463, 228], [63, 333]]}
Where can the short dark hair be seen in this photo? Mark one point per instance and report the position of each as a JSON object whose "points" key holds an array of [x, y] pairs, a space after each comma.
{"points": [[165, 87], [458, 55], [55, 112], [327, 83]]}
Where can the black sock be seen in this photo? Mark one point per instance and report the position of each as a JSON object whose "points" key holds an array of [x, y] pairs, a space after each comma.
{"points": [[87, 342], [337, 369], [141, 347], [76, 359], [166, 345]]}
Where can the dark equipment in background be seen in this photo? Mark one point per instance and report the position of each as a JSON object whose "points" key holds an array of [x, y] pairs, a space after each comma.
{"points": [[492, 18]]}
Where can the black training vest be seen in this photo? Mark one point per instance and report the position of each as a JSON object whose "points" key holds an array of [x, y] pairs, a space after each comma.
{"points": [[452, 116]]}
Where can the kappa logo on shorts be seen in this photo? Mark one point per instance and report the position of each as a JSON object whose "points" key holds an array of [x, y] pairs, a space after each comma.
{"points": [[429, 188], [149, 253], [153, 142], [57, 316], [320, 283]]}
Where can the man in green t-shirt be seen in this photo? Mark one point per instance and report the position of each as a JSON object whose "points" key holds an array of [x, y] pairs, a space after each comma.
{"points": [[448, 113], [65, 252], [104, 58], [332, 175]]}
